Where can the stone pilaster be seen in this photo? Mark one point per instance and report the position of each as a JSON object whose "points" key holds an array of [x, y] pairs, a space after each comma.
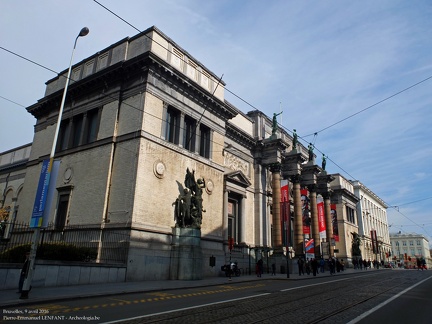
{"points": [[276, 198]]}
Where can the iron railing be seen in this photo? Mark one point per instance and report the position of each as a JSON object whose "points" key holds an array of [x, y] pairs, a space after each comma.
{"points": [[110, 243]]}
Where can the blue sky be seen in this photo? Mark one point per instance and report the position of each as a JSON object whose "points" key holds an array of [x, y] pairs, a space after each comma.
{"points": [[320, 61]]}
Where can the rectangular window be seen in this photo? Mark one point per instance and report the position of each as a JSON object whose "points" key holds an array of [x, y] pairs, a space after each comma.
{"points": [[63, 140], [232, 220], [189, 134], [78, 130], [62, 211], [77, 127], [91, 128], [350, 215], [205, 141], [173, 125]]}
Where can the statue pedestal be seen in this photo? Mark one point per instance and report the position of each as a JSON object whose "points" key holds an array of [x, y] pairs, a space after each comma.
{"points": [[283, 265], [186, 254]]}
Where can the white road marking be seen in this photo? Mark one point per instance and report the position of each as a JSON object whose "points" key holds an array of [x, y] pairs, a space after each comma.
{"points": [[359, 318], [187, 308]]}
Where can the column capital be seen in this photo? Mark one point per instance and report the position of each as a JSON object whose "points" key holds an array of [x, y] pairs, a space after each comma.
{"points": [[292, 164], [296, 178], [275, 167], [269, 150], [310, 172], [323, 181], [312, 187]]}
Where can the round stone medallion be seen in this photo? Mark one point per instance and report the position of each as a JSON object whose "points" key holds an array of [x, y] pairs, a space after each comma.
{"points": [[159, 169]]}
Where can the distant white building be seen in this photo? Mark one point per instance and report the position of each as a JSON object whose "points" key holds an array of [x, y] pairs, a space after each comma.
{"points": [[407, 247], [372, 218]]}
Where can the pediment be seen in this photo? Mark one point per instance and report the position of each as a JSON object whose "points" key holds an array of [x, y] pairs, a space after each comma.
{"points": [[238, 178]]}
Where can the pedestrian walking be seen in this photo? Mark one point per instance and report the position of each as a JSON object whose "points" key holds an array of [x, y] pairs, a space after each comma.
{"points": [[314, 265], [322, 265], [260, 267], [308, 266], [332, 264], [273, 269], [300, 264], [419, 264], [365, 264]]}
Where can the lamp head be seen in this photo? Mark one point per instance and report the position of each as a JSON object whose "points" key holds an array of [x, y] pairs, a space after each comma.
{"points": [[84, 32]]}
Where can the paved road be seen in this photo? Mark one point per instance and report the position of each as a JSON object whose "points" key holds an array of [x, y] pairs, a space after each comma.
{"points": [[337, 299]]}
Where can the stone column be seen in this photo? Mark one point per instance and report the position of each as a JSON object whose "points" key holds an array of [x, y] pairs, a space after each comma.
{"points": [[225, 217], [324, 180], [242, 215], [276, 198], [270, 154], [329, 225], [298, 222], [309, 179], [291, 169]]}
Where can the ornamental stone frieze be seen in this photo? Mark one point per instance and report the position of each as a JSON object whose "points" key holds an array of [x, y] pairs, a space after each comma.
{"points": [[236, 164]]}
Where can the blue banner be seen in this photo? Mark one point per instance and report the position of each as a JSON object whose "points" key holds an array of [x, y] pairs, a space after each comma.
{"points": [[41, 195]]}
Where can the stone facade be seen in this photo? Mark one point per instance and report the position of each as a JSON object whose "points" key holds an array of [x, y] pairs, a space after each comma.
{"points": [[407, 247], [140, 113], [372, 216]]}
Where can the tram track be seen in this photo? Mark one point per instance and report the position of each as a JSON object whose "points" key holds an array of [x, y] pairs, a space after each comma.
{"points": [[333, 302]]}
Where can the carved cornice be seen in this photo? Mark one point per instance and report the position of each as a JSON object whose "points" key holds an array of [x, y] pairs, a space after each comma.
{"points": [[236, 134], [161, 69]]}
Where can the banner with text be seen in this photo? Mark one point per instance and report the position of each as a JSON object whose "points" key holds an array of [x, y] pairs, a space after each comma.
{"points": [[334, 222], [321, 220], [305, 211], [44, 193]]}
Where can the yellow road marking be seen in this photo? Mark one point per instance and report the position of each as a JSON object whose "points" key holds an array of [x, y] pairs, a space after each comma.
{"points": [[160, 296]]}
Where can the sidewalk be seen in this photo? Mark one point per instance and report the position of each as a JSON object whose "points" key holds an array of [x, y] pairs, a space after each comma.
{"points": [[10, 298]]}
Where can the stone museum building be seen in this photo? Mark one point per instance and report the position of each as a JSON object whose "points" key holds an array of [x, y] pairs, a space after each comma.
{"points": [[141, 119]]}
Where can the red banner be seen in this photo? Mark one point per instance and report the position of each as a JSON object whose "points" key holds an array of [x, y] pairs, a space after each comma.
{"points": [[374, 239], [305, 211], [334, 222], [321, 220], [285, 215]]}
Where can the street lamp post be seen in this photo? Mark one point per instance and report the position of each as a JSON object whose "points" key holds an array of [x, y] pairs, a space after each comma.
{"points": [[36, 234]]}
